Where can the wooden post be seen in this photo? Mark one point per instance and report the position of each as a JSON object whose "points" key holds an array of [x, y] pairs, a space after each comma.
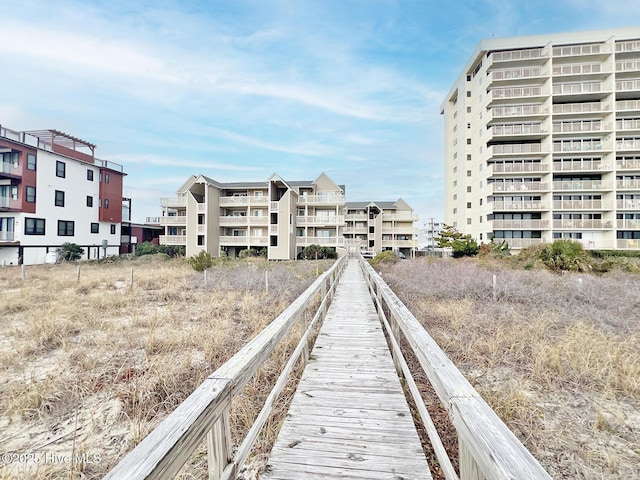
{"points": [[219, 446], [266, 281], [23, 272], [131, 281], [468, 467], [304, 323], [205, 276], [494, 288], [580, 283], [78, 273]]}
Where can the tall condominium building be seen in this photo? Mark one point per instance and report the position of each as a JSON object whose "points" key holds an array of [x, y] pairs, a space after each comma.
{"points": [[53, 190], [542, 140], [279, 216]]}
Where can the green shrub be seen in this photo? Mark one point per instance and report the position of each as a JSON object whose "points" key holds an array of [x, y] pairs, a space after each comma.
{"points": [[316, 252], [148, 248], [462, 245], [70, 252], [252, 252], [201, 261], [565, 255], [494, 249], [388, 256]]}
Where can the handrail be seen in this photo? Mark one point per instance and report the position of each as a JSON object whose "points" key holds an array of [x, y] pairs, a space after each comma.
{"points": [[487, 448], [205, 413]]}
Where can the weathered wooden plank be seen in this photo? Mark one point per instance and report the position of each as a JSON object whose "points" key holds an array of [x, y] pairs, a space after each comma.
{"points": [[495, 449], [349, 417]]}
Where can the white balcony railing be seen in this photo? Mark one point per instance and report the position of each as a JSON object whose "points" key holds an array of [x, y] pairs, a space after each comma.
{"points": [[628, 124], [589, 107], [628, 224], [173, 202], [576, 50], [510, 149], [242, 200], [362, 217], [581, 223], [627, 85], [521, 242], [515, 92], [7, 236], [399, 243], [520, 205], [516, 129], [516, 111], [246, 240], [581, 185], [578, 126], [628, 204], [525, 54], [577, 204], [519, 224], [626, 105], [630, 46], [577, 146], [173, 220], [577, 69], [628, 66], [628, 244], [516, 73], [173, 239], [321, 199], [580, 166], [578, 87], [518, 186], [322, 241], [525, 167], [630, 184], [628, 144], [320, 220], [628, 164]]}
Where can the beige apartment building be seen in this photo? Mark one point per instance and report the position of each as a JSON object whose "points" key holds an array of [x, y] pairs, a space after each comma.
{"points": [[279, 216], [542, 140]]}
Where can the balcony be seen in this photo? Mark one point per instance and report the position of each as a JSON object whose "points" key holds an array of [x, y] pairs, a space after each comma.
{"points": [[516, 73], [173, 220], [9, 203], [514, 55], [499, 187], [628, 105], [10, 169], [399, 243], [360, 217], [627, 85], [628, 224], [628, 164], [628, 124], [577, 205], [513, 111], [629, 244], [528, 167], [628, 66], [400, 217], [322, 241], [577, 88], [588, 107], [173, 239], [579, 126], [229, 240], [581, 224], [631, 46], [519, 224], [321, 220], [322, 199], [628, 204], [580, 166], [578, 50], [173, 202], [516, 129], [628, 144], [521, 242], [577, 69], [511, 149], [515, 92], [356, 230], [517, 206], [244, 200], [577, 146], [581, 185], [630, 184]]}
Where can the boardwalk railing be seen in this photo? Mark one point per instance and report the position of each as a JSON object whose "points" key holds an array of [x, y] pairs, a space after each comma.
{"points": [[487, 448], [205, 413]]}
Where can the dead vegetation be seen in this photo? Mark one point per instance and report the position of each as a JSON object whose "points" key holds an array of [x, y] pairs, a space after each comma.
{"points": [[556, 356], [88, 368]]}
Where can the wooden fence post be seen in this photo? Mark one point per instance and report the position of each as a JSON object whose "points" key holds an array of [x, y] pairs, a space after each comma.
{"points": [[468, 467], [304, 324], [494, 288], [78, 273], [131, 280], [266, 281], [23, 272], [219, 446]]}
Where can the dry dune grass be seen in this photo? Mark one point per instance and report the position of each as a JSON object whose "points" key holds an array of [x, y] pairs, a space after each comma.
{"points": [[91, 366], [556, 356]]}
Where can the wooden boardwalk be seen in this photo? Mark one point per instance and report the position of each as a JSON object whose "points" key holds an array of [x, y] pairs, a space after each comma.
{"points": [[349, 418]]}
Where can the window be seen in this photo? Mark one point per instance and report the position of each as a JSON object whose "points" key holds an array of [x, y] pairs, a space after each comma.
{"points": [[468, 204], [90, 175], [468, 173], [34, 226], [59, 201], [106, 178], [31, 194], [106, 203], [468, 141], [200, 240], [113, 229], [89, 201], [65, 228], [468, 221], [31, 161], [468, 189], [95, 228], [61, 169]]}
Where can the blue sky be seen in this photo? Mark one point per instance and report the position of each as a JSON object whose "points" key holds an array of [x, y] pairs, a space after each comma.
{"points": [[238, 90]]}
